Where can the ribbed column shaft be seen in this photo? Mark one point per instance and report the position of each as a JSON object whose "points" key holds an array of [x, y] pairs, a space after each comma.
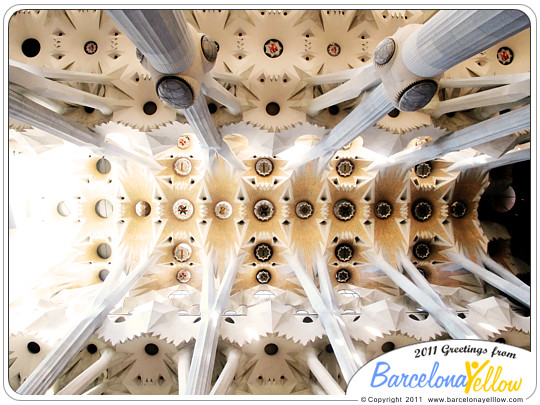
{"points": [[520, 294], [522, 153], [204, 353], [452, 36], [453, 325], [31, 113], [372, 108], [477, 134], [163, 36]]}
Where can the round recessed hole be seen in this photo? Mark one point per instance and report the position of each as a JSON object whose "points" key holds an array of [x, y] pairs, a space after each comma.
{"points": [[333, 110], [90, 47], [151, 349], [30, 47], [149, 108], [212, 108], [421, 251], [383, 209], [458, 209], [91, 348], [394, 113], [271, 349], [63, 209], [422, 210], [388, 347], [33, 347], [89, 110], [423, 170], [272, 108]]}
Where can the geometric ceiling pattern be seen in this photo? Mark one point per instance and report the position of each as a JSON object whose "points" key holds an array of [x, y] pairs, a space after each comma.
{"points": [[289, 204]]}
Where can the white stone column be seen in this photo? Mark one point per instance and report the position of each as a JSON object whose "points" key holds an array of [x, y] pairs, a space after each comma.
{"points": [[454, 326], [485, 162], [183, 358], [229, 371], [316, 389], [335, 328], [79, 383], [477, 134], [321, 373], [202, 124], [374, 106], [31, 113], [444, 315], [503, 272], [452, 36], [356, 81], [520, 294], [162, 36], [204, 353], [54, 364], [97, 390]]}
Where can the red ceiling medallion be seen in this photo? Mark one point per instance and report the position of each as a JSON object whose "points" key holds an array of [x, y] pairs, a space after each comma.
{"points": [[333, 49], [505, 56], [273, 48]]}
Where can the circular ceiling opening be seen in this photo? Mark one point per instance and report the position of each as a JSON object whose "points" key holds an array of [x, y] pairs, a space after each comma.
{"points": [[151, 349], [30, 47], [33, 347], [272, 108], [271, 349], [383, 210], [91, 348], [388, 347], [458, 209], [149, 108], [422, 210], [212, 108]]}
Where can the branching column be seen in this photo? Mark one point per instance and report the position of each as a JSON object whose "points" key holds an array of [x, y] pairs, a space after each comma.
{"points": [[204, 353], [520, 294], [485, 131], [162, 36], [227, 374], [454, 326], [52, 366], [334, 326], [77, 385]]}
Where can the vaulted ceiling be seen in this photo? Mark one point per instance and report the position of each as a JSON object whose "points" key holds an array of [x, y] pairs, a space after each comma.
{"points": [[309, 188]]}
